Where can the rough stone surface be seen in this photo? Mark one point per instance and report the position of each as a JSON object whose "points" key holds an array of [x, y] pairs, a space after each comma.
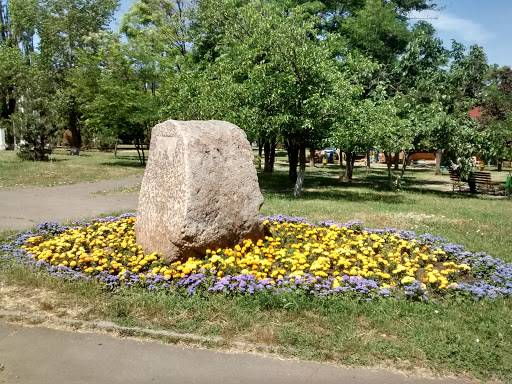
{"points": [[200, 190]]}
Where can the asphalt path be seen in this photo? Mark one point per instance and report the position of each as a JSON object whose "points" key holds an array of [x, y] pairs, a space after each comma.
{"points": [[36, 355], [27, 207]]}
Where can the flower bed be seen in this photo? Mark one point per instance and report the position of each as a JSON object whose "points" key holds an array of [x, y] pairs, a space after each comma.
{"points": [[295, 257]]}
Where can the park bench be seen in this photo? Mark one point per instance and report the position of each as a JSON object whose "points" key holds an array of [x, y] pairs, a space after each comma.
{"points": [[482, 179]]}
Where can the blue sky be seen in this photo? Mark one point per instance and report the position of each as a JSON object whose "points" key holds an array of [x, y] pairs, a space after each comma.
{"points": [[483, 22], [123, 8]]}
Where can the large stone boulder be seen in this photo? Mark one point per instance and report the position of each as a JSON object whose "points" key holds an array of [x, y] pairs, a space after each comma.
{"points": [[200, 190]]}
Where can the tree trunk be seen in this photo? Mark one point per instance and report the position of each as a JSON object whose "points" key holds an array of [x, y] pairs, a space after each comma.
{"points": [[439, 160], [368, 162], [398, 181], [302, 171], [389, 163], [75, 138], [350, 165], [9, 137], [137, 148], [293, 153], [115, 149], [472, 186], [270, 154], [273, 153], [312, 157], [397, 160], [140, 151], [500, 165], [350, 160], [6, 111], [266, 150], [260, 148], [340, 154]]}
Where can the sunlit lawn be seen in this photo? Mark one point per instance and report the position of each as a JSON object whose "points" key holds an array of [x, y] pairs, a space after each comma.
{"points": [[64, 169]]}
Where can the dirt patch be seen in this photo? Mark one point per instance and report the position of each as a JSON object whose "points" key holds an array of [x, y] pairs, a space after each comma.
{"points": [[14, 297], [262, 335]]}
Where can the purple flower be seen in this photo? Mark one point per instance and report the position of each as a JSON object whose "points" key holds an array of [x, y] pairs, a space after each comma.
{"points": [[490, 277]]}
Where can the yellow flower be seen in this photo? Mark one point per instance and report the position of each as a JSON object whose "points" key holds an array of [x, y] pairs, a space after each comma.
{"points": [[407, 280]]}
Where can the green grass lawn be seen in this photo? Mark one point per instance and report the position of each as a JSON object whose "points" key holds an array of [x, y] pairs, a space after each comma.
{"points": [[64, 169], [470, 339]]}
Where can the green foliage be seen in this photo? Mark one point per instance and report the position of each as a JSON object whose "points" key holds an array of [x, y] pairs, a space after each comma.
{"points": [[334, 13], [114, 100], [495, 120], [34, 119], [64, 27], [36, 101], [378, 31], [265, 70], [352, 73], [105, 142], [158, 26]]}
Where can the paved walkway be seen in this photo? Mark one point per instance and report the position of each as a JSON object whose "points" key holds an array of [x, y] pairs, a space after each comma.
{"points": [[24, 208], [40, 355]]}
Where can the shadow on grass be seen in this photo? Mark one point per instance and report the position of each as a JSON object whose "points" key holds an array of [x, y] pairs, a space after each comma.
{"points": [[55, 160], [464, 194], [324, 184], [321, 186], [341, 194], [67, 152], [132, 163], [274, 181]]}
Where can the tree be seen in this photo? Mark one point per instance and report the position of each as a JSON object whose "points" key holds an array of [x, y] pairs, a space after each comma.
{"points": [[34, 119], [12, 69], [433, 100], [333, 14], [159, 25], [378, 31], [157, 35], [17, 29], [114, 101], [495, 118], [283, 73], [357, 118], [63, 28]]}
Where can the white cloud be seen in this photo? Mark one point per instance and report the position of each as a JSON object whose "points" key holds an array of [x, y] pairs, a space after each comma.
{"points": [[454, 27]]}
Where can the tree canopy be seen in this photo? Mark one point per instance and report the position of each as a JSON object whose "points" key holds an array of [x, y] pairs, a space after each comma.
{"points": [[354, 74]]}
